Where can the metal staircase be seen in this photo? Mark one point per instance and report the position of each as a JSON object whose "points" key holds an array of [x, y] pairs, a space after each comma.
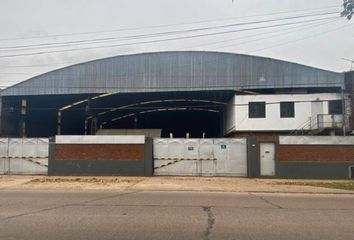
{"points": [[306, 128]]}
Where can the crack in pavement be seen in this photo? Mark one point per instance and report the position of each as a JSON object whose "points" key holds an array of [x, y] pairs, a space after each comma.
{"points": [[131, 186], [267, 201], [65, 205], [108, 197], [221, 207], [211, 222]]}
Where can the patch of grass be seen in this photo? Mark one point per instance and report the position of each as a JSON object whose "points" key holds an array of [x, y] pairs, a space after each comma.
{"points": [[345, 185]]}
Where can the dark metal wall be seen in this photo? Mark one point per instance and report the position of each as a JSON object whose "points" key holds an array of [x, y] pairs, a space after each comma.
{"points": [[313, 170], [10, 117], [42, 113]]}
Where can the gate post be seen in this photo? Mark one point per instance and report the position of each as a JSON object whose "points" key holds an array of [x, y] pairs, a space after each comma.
{"points": [[51, 156], [148, 157], [252, 157]]}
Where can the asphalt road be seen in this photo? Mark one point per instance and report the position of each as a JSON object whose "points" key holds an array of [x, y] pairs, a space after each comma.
{"points": [[173, 215]]}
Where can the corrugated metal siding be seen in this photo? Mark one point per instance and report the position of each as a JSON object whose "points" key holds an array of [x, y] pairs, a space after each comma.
{"points": [[174, 71]]}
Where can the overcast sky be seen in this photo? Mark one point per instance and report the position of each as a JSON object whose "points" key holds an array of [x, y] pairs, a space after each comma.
{"points": [[320, 39]]}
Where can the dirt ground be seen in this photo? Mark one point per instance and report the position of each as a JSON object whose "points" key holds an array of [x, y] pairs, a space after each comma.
{"points": [[164, 183]]}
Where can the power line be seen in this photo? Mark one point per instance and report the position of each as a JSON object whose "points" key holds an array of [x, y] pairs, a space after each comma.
{"points": [[351, 61], [191, 47], [300, 39], [195, 46], [142, 36], [17, 73], [165, 25], [311, 26], [40, 65], [165, 40], [305, 26]]}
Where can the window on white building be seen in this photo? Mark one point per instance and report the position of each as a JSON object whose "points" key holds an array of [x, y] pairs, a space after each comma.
{"points": [[256, 110], [287, 109], [335, 107]]}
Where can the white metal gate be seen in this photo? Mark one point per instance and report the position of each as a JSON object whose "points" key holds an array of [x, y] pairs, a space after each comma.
{"points": [[200, 157], [24, 155]]}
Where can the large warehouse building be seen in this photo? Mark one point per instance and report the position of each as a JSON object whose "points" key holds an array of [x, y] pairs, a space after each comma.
{"points": [[199, 93], [209, 113]]}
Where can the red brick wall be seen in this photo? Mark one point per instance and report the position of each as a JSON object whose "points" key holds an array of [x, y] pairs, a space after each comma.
{"points": [[99, 151], [260, 136], [319, 153]]}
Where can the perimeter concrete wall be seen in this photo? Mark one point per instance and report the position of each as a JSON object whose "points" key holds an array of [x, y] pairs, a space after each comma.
{"points": [[101, 155], [315, 157], [304, 157]]}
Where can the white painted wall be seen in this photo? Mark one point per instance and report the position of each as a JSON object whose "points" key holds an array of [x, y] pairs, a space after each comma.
{"points": [[99, 139], [230, 116], [316, 140], [237, 111]]}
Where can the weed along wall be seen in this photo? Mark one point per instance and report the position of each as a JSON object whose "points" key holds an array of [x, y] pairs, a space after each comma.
{"points": [[100, 155], [315, 157]]}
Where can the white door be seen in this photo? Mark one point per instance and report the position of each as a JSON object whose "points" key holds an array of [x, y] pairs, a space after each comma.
{"points": [[316, 109], [267, 159]]}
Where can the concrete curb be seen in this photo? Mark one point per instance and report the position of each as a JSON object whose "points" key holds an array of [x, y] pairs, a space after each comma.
{"points": [[163, 184]]}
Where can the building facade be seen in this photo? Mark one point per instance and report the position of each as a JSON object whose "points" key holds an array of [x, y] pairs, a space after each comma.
{"points": [[227, 114], [200, 93], [289, 113]]}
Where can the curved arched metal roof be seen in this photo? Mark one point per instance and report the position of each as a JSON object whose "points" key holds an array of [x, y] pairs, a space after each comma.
{"points": [[175, 71]]}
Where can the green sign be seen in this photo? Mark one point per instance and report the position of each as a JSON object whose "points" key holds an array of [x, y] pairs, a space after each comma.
{"points": [[190, 148], [223, 146]]}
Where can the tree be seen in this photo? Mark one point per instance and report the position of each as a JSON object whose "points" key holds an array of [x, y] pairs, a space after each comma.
{"points": [[348, 9]]}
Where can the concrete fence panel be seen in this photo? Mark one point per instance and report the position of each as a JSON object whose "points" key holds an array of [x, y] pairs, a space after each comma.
{"points": [[15, 148], [175, 148], [24, 155], [160, 148], [207, 157], [4, 142]]}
